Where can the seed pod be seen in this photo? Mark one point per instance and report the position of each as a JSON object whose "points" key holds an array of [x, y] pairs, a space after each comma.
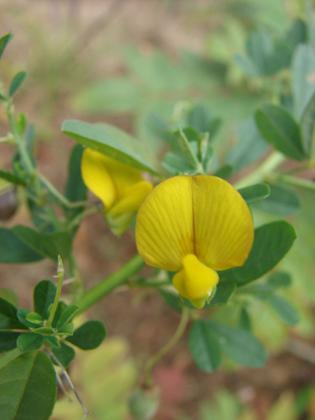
{"points": [[144, 403], [8, 203]]}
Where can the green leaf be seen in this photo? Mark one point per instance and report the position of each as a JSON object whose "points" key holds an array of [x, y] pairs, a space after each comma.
{"points": [[8, 357], [8, 315], [239, 345], [245, 321], [255, 192], [44, 295], [110, 141], [12, 178], [22, 315], [89, 336], [281, 201], [67, 315], [204, 346], [283, 308], [279, 279], [249, 147], [8, 341], [16, 83], [272, 241], [224, 291], [280, 130], [307, 126], [65, 354], [4, 40], [13, 250], [224, 171], [303, 69], [47, 244], [29, 342], [75, 189], [172, 299], [28, 388]]}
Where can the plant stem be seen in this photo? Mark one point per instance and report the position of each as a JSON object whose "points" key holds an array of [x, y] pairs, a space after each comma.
{"points": [[53, 309], [295, 181], [105, 286], [267, 166], [154, 360]]}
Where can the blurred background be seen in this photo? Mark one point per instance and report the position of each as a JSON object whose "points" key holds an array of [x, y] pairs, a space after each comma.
{"points": [[129, 63]]}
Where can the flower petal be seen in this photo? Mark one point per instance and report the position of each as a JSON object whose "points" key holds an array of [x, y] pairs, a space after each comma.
{"points": [[164, 231], [223, 225], [96, 177], [195, 281], [133, 198]]}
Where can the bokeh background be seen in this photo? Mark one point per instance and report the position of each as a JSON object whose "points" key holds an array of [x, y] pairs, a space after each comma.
{"points": [[129, 62]]}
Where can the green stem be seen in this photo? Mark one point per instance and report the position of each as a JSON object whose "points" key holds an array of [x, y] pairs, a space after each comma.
{"points": [[295, 181], [154, 360], [267, 166], [105, 286], [53, 309]]}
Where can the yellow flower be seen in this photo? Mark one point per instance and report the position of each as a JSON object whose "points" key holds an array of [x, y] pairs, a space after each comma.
{"points": [[195, 226], [120, 187]]}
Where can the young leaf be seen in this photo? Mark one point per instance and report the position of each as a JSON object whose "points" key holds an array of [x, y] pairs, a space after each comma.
{"points": [[44, 295], [65, 354], [89, 336], [224, 172], [17, 82], [29, 342], [255, 192], [111, 141], [281, 201], [204, 346], [28, 388], [13, 250], [4, 40], [239, 345], [272, 241], [280, 130]]}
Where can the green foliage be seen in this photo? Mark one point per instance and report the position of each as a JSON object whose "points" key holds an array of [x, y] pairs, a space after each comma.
{"points": [[272, 241], [46, 244], [16, 83], [89, 336], [75, 189], [28, 387], [255, 193], [280, 130], [111, 141], [4, 40], [14, 250], [204, 346], [208, 339], [281, 201]]}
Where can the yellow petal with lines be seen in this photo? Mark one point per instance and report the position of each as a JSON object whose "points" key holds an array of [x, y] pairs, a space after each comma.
{"points": [[223, 225], [164, 230]]}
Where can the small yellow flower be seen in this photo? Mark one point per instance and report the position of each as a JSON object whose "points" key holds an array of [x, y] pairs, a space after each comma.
{"points": [[194, 226], [120, 187]]}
